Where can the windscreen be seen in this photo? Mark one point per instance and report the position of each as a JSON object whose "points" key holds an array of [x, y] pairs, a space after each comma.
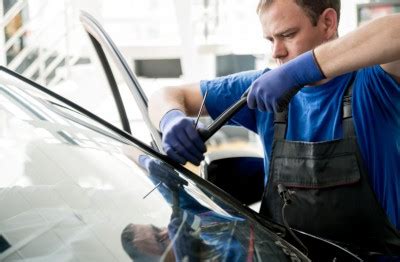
{"points": [[73, 190]]}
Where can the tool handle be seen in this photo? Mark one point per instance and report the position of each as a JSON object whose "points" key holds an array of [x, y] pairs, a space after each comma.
{"points": [[205, 134]]}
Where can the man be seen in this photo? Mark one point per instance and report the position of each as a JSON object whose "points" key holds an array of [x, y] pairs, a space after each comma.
{"points": [[315, 151]]}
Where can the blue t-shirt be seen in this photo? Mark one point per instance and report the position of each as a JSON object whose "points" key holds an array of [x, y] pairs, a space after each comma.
{"points": [[315, 115]]}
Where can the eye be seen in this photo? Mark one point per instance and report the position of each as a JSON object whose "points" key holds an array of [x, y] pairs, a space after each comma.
{"points": [[289, 35]]}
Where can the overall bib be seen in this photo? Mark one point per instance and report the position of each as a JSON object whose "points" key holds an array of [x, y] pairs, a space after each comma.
{"points": [[329, 189]]}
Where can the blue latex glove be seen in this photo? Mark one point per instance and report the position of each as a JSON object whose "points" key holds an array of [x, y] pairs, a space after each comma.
{"points": [[273, 90], [180, 140], [161, 172]]}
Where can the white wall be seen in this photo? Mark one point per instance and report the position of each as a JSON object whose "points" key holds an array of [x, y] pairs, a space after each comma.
{"points": [[146, 29], [348, 20]]}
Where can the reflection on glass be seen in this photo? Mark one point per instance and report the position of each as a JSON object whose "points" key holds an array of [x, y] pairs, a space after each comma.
{"points": [[69, 201], [147, 243], [196, 231]]}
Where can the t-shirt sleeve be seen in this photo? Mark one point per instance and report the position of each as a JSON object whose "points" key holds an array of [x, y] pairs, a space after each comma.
{"points": [[225, 91], [383, 88]]}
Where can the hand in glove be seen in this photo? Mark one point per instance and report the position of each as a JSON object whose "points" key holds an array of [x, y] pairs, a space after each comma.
{"points": [[274, 89], [181, 141]]}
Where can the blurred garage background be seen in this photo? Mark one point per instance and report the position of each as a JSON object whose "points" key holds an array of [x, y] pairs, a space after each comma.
{"points": [[164, 41]]}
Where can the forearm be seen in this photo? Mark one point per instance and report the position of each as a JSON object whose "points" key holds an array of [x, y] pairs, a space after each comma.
{"points": [[162, 101], [375, 43], [185, 98]]}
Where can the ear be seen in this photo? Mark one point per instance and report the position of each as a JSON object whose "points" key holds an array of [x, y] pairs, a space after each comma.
{"points": [[328, 22]]}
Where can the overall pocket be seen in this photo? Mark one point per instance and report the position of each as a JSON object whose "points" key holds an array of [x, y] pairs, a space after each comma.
{"points": [[323, 194]]}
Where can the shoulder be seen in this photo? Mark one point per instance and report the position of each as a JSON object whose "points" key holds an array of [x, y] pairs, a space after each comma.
{"points": [[237, 81], [222, 92]]}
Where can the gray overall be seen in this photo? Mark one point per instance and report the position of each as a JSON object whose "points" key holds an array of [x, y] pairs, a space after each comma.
{"points": [[328, 187]]}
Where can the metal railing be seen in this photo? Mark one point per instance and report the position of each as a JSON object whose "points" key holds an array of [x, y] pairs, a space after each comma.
{"points": [[33, 59]]}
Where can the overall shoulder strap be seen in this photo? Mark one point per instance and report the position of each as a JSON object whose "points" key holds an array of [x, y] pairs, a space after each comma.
{"points": [[280, 123], [347, 114], [280, 118]]}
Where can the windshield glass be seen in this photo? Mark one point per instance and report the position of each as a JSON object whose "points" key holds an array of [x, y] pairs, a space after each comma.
{"points": [[73, 191]]}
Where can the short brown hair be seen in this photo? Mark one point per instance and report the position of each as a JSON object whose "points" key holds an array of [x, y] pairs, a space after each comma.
{"points": [[313, 8]]}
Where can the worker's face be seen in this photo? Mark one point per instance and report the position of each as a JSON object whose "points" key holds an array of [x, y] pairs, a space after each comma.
{"points": [[289, 30], [152, 240]]}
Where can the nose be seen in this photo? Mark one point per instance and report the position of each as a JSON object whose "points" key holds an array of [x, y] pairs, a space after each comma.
{"points": [[279, 50]]}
